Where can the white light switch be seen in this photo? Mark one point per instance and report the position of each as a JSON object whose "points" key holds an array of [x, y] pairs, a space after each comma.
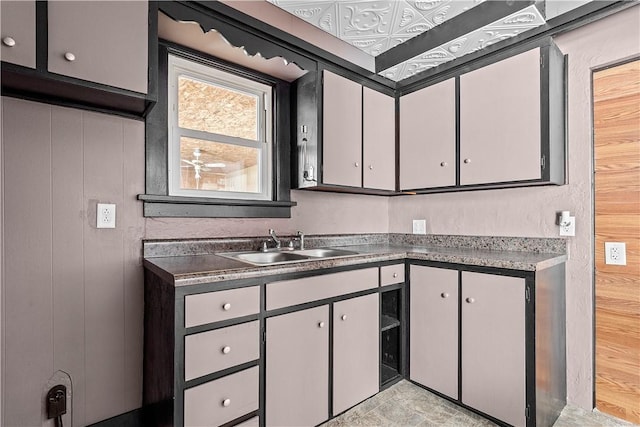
{"points": [[615, 253], [419, 226], [106, 215]]}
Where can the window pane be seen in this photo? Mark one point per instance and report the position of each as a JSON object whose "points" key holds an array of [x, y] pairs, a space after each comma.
{"points": [[207, 165], [210, 108]]}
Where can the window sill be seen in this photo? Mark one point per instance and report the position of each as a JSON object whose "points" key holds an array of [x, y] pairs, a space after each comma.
{"points": [[200, 207]]}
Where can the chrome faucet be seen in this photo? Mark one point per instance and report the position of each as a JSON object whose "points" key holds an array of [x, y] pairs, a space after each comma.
{"points": [[300, 235], [275, 238]]}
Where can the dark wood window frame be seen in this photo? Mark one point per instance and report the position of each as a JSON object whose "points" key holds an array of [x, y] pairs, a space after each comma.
{"points": [[158, 202]]}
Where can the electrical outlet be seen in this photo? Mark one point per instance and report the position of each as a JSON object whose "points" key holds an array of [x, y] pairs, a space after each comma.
{"points": [[419, 226], [568, 229], [106, 215], [615, 253]]}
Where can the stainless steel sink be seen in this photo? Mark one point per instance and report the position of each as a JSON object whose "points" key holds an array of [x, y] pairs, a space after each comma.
{"points": [[268, 257], [326, 252], [286, 255]]}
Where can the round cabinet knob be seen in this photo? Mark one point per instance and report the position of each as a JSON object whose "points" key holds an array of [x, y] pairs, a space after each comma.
{"points": [[226, 307], [69, 56], [443, 164], [444, 295], [467, 161], [470, 300], [226, 402], [344, 317], [321, 325], [226, 349], [8, 41], [395, 275], [370, 167], [356, 164]]}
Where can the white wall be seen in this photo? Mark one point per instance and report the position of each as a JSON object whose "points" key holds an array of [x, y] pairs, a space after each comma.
{"points": [[531, 211]]}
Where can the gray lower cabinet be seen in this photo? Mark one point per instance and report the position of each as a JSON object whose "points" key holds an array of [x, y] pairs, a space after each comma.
{"points": [[356, 348], [493, 345], [297, 368], [501, 331], [297, 361], [434, 329]]}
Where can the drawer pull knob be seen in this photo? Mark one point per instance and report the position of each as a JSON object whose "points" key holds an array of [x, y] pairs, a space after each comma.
{"points": [[356, 164], [8, 41], [444, 295], [371, 167], [226, 306], [395, 275], [226, 349], [321, 325], [344, 317], [443, 164], [226, 402], [470, 300], [69, 56], [467, 161]]}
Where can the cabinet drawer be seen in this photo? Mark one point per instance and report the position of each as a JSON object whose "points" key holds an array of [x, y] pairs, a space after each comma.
{"points": [[299, 291], [391, 274], [220, 401], [212, 351], [216, 306]]}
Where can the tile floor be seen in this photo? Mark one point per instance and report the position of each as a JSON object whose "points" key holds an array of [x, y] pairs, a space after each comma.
{"points": [[405, 404]]}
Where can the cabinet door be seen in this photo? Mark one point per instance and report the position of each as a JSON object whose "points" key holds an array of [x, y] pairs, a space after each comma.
{"points": [[434, 329], [428, 137], [297, 372], [19, 32], [341, 131], [379, 140], [500, 121], [108, 40], [493, 345], [356, 351]]}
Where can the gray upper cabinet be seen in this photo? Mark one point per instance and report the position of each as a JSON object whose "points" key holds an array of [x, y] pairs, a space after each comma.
{"points": [[500, 121], [19, 32], [428, 137], [342, 131], [346, 135], [378, 140], [103, 42]]}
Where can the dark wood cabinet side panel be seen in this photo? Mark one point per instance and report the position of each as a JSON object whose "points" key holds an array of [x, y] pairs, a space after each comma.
{"points": [[550, 318], [159, 339]]}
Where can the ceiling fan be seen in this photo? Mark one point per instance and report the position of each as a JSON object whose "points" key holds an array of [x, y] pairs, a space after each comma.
{"points": [[200, 166]]}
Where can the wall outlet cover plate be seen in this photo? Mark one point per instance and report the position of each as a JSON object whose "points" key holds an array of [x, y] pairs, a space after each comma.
{"points": [[615, 253], [419, 226], [570, 228], [106, 215]]}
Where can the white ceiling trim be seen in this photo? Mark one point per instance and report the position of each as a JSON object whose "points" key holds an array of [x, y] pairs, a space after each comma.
{"points": [[495, 32]]}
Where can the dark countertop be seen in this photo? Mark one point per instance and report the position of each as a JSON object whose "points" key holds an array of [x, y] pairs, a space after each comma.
{"points": [[196, 269]]}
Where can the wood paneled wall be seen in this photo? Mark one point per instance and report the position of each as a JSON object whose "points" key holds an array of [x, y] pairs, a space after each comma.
{"points": [[73, 293], [616, 110]]}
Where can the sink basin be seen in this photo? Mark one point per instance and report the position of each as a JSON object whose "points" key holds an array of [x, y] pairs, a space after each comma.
{"points": [[268, 257], [325, 252], [285, 255]]}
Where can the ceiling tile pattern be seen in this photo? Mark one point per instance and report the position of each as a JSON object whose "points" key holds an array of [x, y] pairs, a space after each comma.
{"points": [[376, 26], [495, 32]]}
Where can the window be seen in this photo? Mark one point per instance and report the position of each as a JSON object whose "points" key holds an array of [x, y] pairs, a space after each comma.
{"points": [[220, 133]]}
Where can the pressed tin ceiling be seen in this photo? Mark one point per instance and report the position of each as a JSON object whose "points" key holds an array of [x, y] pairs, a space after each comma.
{"points": [[376, 27]]}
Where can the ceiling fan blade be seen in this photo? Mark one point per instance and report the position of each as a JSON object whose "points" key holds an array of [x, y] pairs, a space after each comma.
{"points": [[189, 162], [215, 165]]}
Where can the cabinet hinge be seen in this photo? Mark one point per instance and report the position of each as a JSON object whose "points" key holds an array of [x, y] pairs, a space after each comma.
{"points": [[527, 294], [541, 60], [527, 412], [264, 336], [543, 162]]}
